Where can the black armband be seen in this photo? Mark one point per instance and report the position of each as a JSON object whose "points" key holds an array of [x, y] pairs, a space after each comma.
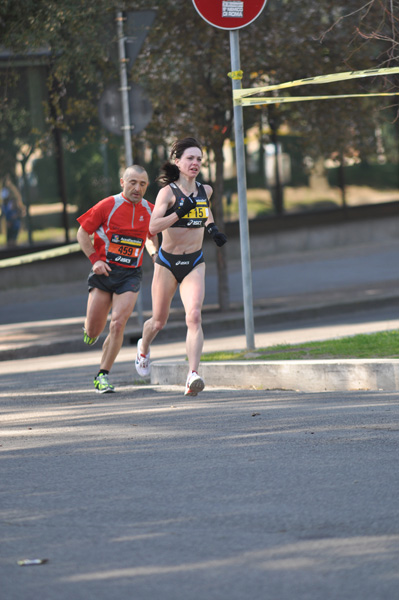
{"points": [[219, 238], [211, 228]]}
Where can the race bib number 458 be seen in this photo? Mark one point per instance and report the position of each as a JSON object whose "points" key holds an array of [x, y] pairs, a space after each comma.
{"points": [[124, 250]]}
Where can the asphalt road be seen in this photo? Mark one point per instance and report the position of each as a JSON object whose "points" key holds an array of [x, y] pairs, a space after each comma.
{"points": [[274, 279], [235, 494]]}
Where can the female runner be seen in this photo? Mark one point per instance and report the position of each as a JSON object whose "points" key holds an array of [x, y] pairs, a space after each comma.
{"points": [[181, 213]]}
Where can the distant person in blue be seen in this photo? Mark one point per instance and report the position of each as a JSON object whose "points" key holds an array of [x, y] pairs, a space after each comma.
{"points": [[12, 209]]}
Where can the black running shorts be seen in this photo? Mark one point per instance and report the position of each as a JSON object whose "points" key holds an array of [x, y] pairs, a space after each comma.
{"points": [[179, 264], [119, 280]]}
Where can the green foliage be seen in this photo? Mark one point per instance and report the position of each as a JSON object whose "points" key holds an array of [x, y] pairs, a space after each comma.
{"points": [[71, 42], [385, 176], [183, 67], [185, 62], [95, 174], [15, 122], [68, 31], [384, 344], [45, 174]]}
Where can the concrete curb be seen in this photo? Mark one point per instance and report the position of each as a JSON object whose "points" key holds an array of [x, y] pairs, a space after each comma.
{"points": [[301, 376], [35, 339]]}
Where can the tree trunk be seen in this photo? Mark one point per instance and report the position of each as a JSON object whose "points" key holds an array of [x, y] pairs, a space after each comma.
{"points": [[217, 210], [341, 180], [59, 157], [277, 190]]}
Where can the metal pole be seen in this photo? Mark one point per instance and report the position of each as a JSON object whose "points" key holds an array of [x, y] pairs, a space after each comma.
{"points": [[242, 197], [124, 90], [127, 129]]}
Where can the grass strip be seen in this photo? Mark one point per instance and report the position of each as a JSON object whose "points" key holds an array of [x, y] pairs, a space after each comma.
{"points": [[384, 344]]}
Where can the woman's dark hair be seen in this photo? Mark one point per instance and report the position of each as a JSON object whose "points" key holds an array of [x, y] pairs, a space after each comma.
{"points": [[169, 171]]}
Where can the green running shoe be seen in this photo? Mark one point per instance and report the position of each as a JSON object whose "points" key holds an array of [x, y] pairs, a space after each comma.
{"points": [[88, 340], [102, 385]]}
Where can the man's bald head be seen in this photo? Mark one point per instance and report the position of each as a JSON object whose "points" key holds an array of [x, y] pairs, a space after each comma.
{"points": [[134, 183], [134, 168]]}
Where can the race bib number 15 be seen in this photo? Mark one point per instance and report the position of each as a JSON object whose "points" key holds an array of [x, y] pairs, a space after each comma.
{"points": [[198, 213]]}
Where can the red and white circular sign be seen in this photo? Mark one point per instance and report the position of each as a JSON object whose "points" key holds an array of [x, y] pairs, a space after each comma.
{"points": [[229, 14]]}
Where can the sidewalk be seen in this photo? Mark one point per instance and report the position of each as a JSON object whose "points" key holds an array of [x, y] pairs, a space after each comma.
{"points": [[288, 291]]}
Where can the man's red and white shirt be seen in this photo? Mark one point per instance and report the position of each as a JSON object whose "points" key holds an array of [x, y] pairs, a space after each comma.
{"points": [[120, 229]]}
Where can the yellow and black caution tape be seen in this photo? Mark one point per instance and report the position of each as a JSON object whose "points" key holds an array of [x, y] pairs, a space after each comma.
{"points": [[282, 99], [237, 75], [42, 255], [240, 96]]}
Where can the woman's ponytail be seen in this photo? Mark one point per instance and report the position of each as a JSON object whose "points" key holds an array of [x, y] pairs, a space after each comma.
{"points": [[169, 174]]}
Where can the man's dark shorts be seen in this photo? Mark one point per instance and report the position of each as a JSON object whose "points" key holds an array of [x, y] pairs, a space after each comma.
{"points": [[119, 280]]}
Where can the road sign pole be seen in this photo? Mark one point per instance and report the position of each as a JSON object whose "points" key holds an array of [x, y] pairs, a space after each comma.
{"points": [[127, 132], [232, 15], [242, 196], [124, 89]]}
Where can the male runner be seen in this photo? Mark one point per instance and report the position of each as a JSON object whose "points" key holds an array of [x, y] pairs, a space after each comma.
{"points": [[120, 225]]}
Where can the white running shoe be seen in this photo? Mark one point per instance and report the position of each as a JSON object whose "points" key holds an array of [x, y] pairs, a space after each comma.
{"points": [[143, 365], [194, 384]]}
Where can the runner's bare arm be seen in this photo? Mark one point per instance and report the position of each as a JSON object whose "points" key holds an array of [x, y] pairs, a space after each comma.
{"points": [[158, 221], [165, 200], [219, 238], [151, 245], [209, 192], [99, 266]]}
